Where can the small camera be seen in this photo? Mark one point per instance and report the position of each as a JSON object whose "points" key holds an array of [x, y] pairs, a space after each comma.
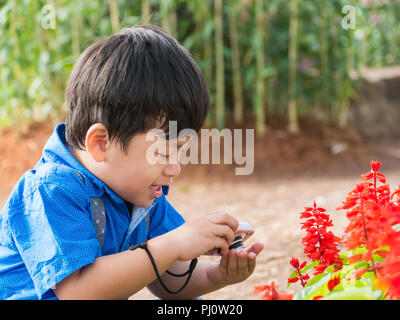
{"points": [[244, 231], [237, 243]]}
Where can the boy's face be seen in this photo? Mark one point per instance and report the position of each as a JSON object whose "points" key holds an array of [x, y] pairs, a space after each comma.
{"points": [[131, 175]]}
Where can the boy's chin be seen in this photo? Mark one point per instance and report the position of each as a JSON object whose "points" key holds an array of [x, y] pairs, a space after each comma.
{"points": [[144, 202]]}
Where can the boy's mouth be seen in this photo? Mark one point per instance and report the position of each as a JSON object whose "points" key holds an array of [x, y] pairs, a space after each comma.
{"points": [[156, 190]]}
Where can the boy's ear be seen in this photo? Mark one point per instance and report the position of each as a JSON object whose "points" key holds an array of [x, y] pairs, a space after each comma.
{"points": [[97, 142]]}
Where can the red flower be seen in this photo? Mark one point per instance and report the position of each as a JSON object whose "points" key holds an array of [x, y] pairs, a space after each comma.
{"points": [[293, 280], [260, 289], [373, 211], [295, 264], [396, 193], [375, 165], [320, 244], [333, 282], [389, 270], [372, 214], [270, 293]]}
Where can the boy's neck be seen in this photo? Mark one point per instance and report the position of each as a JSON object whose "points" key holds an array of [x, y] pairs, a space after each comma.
{"points": [[78, 155], [85, 160], [82, 157]]}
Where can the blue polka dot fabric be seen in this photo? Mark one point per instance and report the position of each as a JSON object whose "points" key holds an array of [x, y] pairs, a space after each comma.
{"points": [[47, 230]]}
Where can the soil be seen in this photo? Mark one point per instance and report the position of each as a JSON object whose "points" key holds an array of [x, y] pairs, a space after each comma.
{"points": [[290, 172]]}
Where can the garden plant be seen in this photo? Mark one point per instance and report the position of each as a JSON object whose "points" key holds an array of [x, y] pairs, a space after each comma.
{"points": [[365, 263]]}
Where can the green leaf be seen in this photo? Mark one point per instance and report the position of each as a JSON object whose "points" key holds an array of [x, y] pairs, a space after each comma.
{"points": [[306, 267], [268, 71], [396, 227], [359, 250], [365, 293], [309, 266], [317, 288]]}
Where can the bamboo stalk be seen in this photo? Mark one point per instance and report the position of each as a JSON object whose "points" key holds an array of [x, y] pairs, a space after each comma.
{"points": [[363, 52], [114, 15], [337, 73], [260, 62], [204, 14], [168, 16], [324, 58], [75, 26], [13, 30], [173, 20], [344, 105], [293, 126], [344, 110], [237, 77], [270, 92], [219, 57], [18, 110], [201, 14], [164, 16], [146, 11]]}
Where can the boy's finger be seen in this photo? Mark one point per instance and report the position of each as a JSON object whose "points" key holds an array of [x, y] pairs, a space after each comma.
{"points": [[251, 261], [242, 262], [224, 231], [222, 244], [223, 263], [256, 248], [232, 264], [224, 218]]}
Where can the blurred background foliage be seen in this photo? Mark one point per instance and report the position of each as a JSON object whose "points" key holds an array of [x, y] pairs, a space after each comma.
{"points": [[262, 59]]}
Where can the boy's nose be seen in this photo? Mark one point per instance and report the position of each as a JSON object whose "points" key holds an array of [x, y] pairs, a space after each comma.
{"points": [[172, 170]]}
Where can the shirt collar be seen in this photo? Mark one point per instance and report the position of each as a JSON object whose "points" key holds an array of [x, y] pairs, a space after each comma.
{"points": [[56, 150]]}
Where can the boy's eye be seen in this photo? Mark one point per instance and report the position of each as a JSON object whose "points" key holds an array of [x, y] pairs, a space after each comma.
{"points": [[163, 155]]}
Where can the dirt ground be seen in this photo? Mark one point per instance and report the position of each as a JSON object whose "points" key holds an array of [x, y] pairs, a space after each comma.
{"points": [[290, 173]]}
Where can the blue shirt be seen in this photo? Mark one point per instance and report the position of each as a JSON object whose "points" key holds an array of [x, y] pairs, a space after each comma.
{"points": [[47, 230]]}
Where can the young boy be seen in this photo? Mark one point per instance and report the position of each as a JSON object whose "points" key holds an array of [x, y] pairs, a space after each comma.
{"points": [[69, 222]]}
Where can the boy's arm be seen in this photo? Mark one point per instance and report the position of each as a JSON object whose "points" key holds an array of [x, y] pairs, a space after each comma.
{"points": [[198, 284], [208, 276], [116, 276], [120, 275]]}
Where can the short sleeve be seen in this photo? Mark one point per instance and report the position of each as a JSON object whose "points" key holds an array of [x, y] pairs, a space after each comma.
{"points": [[54, 233], [163, 218]]}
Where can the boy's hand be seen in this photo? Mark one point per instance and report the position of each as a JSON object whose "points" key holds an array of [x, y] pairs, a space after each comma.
{"points": [[198, 236], [235, 266]]}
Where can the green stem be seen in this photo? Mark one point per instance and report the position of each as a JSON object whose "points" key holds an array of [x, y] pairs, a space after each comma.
{"points": [[146, 11], [219, 56], [366, 234], [260, 62], [114, 15], [293, 29], [237, 78]]}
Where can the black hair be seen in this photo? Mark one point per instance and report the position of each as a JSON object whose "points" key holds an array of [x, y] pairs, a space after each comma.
{"points": [[136, 80]]}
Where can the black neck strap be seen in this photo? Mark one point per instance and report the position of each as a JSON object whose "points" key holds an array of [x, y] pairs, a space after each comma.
{"points": [[189, 272]]}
